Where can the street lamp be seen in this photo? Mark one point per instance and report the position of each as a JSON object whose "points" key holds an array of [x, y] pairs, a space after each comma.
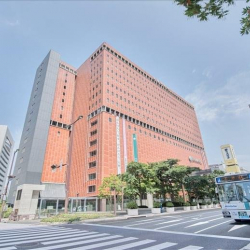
{"points": [[10, 177], [53, 167]]}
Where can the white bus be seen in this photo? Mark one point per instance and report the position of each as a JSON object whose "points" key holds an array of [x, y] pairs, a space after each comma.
{"points": [[234, 195]]}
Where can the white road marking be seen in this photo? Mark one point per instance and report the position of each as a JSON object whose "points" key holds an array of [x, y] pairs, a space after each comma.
{"points": [[74, 238], [34, 239], [203, 222], [191, 248], [211, 227], [184, 222], [236, 227], [22, 231], [161, 246], [73, 244], [130, 245], [32, 235], [147, 221], [168, 222], [247, 247], [172, 232], [110, 243]]}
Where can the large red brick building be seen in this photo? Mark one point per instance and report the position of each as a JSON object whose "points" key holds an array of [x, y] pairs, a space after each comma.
{"points": [[127, 116]]}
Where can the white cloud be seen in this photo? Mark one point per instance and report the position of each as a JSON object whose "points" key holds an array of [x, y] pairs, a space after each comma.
{"points": [[232, 98], [11, 23]]}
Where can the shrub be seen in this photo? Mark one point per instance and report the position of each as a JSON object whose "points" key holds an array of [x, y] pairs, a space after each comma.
{"points": [[7, 213], [132, 205], [203, 203], [143, 206], [209, 203], [186, 204], [215, 202], [69, 218], [194, 203], [169, 204], [156, 205]]}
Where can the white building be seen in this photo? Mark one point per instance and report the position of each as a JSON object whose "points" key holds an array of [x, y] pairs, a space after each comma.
{"points": [[6, 148]]}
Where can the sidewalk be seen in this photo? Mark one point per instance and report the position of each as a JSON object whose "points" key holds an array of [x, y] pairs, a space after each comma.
{"points": [[28, 223]]}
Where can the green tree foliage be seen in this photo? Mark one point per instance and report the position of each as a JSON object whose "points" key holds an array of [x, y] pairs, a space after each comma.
{"points": [[170, 177], [200, 187], [109, 185], [140, 180], [217, 8]]}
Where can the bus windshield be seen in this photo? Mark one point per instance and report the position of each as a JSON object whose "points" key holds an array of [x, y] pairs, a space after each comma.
{"points": [[238, 191]]}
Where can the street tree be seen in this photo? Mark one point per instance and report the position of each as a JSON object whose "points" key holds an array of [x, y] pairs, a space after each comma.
{"points": [[139, 178], [196, 186], [164, 182], [216, 8], [179, 173], [111, 186]]}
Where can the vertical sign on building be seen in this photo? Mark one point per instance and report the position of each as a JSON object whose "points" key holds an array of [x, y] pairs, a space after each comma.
{"points": [[118, 148], [125, 144], [135, 148]]}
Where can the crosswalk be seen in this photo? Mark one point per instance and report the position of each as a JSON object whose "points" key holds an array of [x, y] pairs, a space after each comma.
{"points": [[48, 238]]}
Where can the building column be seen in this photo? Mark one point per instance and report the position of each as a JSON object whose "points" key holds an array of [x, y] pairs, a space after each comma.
{"points": [[103, 205], [150, 200]]}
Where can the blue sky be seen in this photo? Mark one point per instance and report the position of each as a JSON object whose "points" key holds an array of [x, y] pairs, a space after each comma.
{"points": [[207, 63]]}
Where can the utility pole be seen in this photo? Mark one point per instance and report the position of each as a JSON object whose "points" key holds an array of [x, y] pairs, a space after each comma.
{"points": [[10, 177]]}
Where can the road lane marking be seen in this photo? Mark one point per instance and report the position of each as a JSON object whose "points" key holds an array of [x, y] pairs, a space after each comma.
{"points": [[130, 245], [31, 235], [247, 247], [161, 246], [167, 222], [22, 231], [211, 227], [191, 248], [94, 235], [25, 238], [170, 232], [184, 222], [236, 227], [204, 222]]}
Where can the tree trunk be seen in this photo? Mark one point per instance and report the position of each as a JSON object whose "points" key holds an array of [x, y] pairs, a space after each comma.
{"points": [[183, 193], [140, 199]]}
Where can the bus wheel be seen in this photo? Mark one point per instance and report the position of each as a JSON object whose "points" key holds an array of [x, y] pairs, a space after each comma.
{"points": [[237, 220]]}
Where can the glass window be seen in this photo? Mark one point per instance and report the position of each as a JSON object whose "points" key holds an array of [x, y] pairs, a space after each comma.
{"points": [[243, 190], [227, 192]]}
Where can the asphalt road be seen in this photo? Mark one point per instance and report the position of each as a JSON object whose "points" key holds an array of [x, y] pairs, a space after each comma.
{"points": [[206, 230]]}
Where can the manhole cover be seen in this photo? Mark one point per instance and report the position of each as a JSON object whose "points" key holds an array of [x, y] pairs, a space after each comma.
{"points": [[28, 245]]}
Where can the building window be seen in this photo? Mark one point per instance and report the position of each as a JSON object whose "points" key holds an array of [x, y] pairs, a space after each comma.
{"points": [[93, 153], [64, 87], [93, 142], [62, 100], [92, 164], [63, 93], [19, 194], [92, 176], [91, 189], [93, 123], [60, 116], [110, 119], [93, 132]]}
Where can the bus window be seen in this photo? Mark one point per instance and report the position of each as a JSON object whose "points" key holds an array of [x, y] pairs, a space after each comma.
{"points": [[243, 190], [227, 192]]}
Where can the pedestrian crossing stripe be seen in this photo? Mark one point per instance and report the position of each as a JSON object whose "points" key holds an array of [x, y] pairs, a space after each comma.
{"points": [[50, 238]]}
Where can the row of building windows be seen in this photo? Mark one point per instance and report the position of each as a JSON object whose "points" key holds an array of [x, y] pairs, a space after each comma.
{"points": [[140, 123], [59, 125], [162, 86]]}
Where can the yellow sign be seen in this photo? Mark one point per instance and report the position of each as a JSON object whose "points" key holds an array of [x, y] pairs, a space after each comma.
{"points": [[230, 159]]}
